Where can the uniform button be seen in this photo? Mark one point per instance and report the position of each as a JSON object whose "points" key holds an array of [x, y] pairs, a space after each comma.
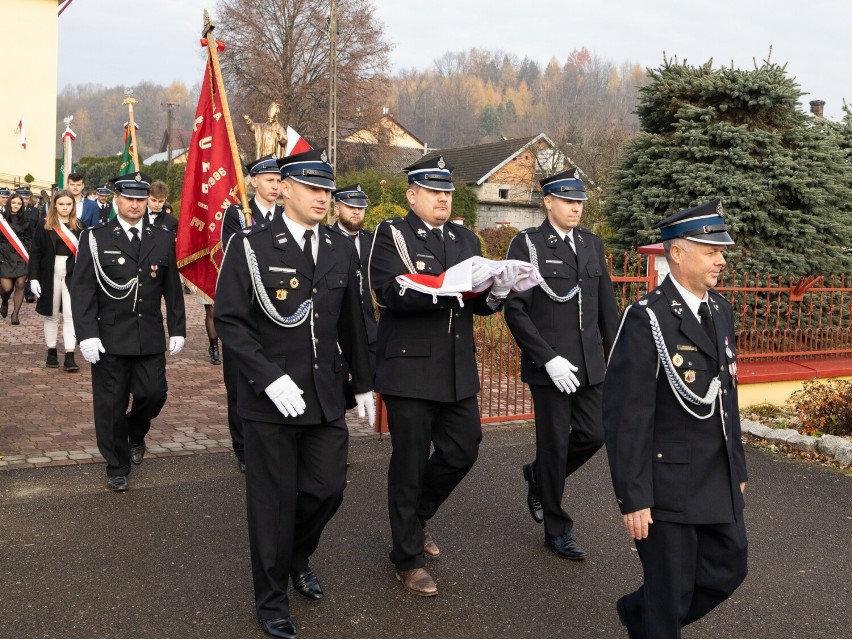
{"points": [[316, 314], [457, 336], [659, 455], [314, 290], [403, 350], [579, 279], [316, 365]]}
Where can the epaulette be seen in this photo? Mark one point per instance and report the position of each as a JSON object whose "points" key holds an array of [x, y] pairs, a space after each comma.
{"points": [[587, 232], [650, 298], [394, 220], [255, 228], [718, 296], [97, 226], [532, 229]]}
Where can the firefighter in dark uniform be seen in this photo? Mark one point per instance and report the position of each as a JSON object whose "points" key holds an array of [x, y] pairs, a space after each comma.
{"points": [[425, 365], [288, 311], [564, 327], [266, 181], [672, 425], [350, 206], [104, 204], [124, 270]]}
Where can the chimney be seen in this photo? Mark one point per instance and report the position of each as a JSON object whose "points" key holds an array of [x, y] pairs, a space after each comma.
{"points": [[818, 107]]}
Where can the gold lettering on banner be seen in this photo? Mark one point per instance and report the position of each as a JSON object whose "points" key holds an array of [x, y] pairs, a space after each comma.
{"points": [[202, 205], [206, 143], [199, 224], [205, 166]]}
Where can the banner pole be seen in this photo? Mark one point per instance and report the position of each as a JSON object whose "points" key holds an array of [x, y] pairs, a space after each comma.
{"points": [[207, 33]]}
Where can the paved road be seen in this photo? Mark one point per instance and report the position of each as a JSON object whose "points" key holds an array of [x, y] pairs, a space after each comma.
{"points": [[169, 558]]}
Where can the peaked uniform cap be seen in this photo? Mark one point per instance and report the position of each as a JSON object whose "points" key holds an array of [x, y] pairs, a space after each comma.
{"points": [[133, 185], [434, 173], [102, 190], [703, 223], [266, 164], [352, 195], [311, 168], [566, 185]]}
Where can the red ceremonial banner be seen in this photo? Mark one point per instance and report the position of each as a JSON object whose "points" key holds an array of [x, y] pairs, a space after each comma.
{"points": [[209, 188]]}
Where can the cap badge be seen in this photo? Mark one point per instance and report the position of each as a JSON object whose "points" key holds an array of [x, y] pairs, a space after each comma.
{"points": [[643, 302], [420, 264], [576, 174], [451, 235], [441, 163], [324, 157], [421, 233], [138, 177]]}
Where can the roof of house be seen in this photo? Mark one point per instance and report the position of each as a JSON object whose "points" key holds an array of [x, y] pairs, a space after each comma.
{"points": [[162, 157], [180, 137], [384, 158], [475, 164]]}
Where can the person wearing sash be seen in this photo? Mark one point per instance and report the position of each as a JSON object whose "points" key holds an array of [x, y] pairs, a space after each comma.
{"points": [[350, 206], [265, 179], [54, 250], [426, 365], [564, 327], [289, 315], [15, 238], [673, 435], [125, 269]]}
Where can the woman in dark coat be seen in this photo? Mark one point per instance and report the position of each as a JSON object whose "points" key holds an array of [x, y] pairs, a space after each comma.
{"points": [[13, 267], [51, 263]]}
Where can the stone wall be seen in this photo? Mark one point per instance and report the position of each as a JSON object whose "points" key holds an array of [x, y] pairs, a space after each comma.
{"points": [[521, 215]]}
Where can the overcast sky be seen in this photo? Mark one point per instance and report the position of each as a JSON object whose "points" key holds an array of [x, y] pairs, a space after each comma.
{"points": [[813, 37]]}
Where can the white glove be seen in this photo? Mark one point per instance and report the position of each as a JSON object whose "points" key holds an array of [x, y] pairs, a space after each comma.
{"points": [[286, 396], [505, 280], [562, 371], [479, 273], [35, 287], [366, 404], [176, 344], [91, 349]]}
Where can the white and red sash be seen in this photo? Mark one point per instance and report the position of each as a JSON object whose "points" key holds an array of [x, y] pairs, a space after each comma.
{"points": [[68, 237], [14, 240]]}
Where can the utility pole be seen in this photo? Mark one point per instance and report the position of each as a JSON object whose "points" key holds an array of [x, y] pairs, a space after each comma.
{"points": [[169, 106]]}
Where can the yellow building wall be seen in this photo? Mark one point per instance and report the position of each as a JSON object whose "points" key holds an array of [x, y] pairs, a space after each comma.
{"points": [[29, 49]]}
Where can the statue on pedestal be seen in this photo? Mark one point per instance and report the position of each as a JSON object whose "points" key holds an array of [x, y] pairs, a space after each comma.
{"points": [[269, 136]]}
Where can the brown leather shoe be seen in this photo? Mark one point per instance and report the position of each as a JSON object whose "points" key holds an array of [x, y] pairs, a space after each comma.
{"points": [[418, 581], [430, 548]]}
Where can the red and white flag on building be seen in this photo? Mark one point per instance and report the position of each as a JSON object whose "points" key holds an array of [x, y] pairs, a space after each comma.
{"points": [[295, 143], [22, 130], [209, 188]]}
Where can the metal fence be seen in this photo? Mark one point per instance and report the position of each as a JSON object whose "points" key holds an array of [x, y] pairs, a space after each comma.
{"points": [[775, 319]]}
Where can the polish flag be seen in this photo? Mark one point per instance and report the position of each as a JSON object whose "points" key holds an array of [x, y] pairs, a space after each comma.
{"points": [[295, 143], [23, 131]]}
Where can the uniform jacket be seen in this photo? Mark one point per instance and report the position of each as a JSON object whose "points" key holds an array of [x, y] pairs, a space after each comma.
{"points": [[126, 329], [91, 213], [42, 259], [365, 240], [543, 328], [103, 213], [166, 221], [233, 214], [265, 351], [687, 470], [424, 349]]}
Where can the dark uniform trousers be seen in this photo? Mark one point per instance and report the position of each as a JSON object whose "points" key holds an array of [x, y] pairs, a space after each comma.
{"points": [[295, 466], [230, 373], [426, 371], [130, 329], [568, 427], [687, 470]]}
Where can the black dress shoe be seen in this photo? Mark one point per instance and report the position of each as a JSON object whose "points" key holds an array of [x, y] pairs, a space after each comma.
{"points": [[137, 453], [283, 628], [215, 357], [117, 484], [565, 547], [533, 500], [632, 632], [307, 584]]}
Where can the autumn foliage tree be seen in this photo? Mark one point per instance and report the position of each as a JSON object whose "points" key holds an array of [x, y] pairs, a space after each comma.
{"points": [[278, 51]]}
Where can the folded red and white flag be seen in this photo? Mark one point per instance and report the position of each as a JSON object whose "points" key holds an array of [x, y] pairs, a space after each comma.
{"points": [[470, 278]]}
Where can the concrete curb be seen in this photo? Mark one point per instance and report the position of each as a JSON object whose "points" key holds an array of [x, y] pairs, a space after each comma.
{"points": [[836, 448]]}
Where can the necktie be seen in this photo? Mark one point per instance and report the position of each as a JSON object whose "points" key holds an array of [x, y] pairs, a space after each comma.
{"points": [[570, 242], [442, 255], [707, 322], [135, 241], [268, 216], [308, 249], [573, 253]]}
